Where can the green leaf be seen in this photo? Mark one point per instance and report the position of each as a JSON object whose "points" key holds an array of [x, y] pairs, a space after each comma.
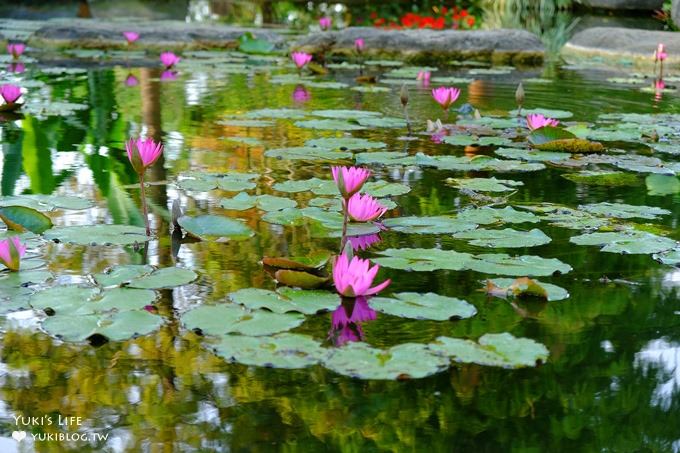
{"points": [[283, 350], [503, 350], [20, 218], [340, 114], [423, 306], [429, 225], [330, 125], [227, 319], [624, 211], [502, 264], [118, 275], [547, 134], [307, 153], [116, 327], [97, 234], [628, 242], [215, 228], [167, 277], [286, 300], [505, 238], [553, 292], [247, 43], [485, 184], [344, 143], [299, 279], [488, 216]]}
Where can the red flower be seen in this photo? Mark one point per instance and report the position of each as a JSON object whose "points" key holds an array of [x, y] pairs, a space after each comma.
{"points": [[379, 22], [471, 21], [373, 15], [444, 10], [463, 13]]}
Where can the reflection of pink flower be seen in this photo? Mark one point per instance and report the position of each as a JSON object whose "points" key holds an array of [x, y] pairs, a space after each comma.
{"points": [[131, 80], [143, 153], [349, 179], [364, 208], [11, 252], [325, 23], [168, 75], [348, 334], [131, 36], [301, 95], [536, 120], [659, 85], [437, 137], [346, 326], [169, 59], [10, 93], [445, 96], [424, 78], [359, 44], [354, 278], [300, 59], [16, 49], [16, 68], [363, 242], [660, 53]]}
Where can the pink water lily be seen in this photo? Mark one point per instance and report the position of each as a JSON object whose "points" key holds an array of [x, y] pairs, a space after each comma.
{"points": [[354, 278], [131, 80], [300, 94], [445, 96], [131, 36], [363, 242], [359, 44], [364, 208], [16, 68], [10, 93], [660, 53], [11, 252], [169, 59], [168, 76], [16, 49], [536, 120], [349, 179], [424, 77], [360, 312], [325, 23], [143, 153], [300, 59]]}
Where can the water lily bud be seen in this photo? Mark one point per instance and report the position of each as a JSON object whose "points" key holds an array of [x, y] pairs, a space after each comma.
{"points": [[519, 94], [403, 95]]}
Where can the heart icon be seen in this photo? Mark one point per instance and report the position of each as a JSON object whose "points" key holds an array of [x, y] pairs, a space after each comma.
{"points": [[19, 435]]}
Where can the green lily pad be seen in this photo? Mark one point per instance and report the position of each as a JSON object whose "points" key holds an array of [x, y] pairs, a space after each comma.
{"points": [[662, 185], [115, 327], [300, 279], [285, 350], [20, 218], [603, 178], [303, 185], [215, 228], [307, 153], [167, 277], [97, 234], [554, 292], [532, 155], [485, 184], [477, 163], [289, 114], [488, 216], [501, 349], [388, 122], [243, 201], [624, 211], [47, 202], [384, 158], [345, 114], [118, 275], [228, 319], [505, 238], [670, 257], [423, 306], [409, 360], [420, 259], [286, 300], [329, 125], [468, 140], [246, 123], [380, 189], [429, 225], [288, 217], [525, 265], [627, 242], [547, 134], [344, 143], [370, 89]]}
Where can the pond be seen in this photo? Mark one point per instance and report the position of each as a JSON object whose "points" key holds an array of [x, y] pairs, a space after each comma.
{"points": [[185, 346]]}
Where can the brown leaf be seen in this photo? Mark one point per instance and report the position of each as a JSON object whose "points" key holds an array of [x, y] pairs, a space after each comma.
{"points": [[299, 279]]}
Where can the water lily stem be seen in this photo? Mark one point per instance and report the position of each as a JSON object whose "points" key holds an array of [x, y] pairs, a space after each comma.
{"points": [[408, 122], [144, 207], [345, 220]]}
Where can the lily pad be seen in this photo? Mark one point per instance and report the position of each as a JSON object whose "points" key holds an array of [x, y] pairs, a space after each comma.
{"points": [[420, 259], [513, 287], [488, 216], [502, 264], [384, 158], [47, 202], [228, 319], [344, 143], [243, 201], [627, 242], [20, 218], [423, 306], [345, 114], [167, 277], [97, 234], [286, 300], [505, 238], [550, 113], [388, 122], [429, 225], [285, 350], [292, 114], [502, 349], [532, 155], [485, 184], [662, 185], [624, 211], [118, 275], [307, 153], [603, 178], [548, 134], [215, 228], [287, 216], [409, 360], [330, 125]]}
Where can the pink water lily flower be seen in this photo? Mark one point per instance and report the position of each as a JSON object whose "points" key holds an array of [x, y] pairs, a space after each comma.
{"points": [[16, 49], [349, 179], [300, 94], [10, 93], [659, 85], [354, 278], [143, 153], [131, 80], [169, 59], [424, 77], [168, 76], [131, 36], [359, 44], [11, 252], [300, 59], [445, 96], [325, 23], [364, 208], [363, 242], [660, 53], [536, 120]]}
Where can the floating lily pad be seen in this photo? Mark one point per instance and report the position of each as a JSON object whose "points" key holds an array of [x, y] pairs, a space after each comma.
{"points": [[303, 185], [167, 277], [246, 123], [345, 114], [670, 257], [420, 259], [300, 279], [284, 350], [627, 242], [662, 185], [531, 155], [118, 275], [307, 153], [552, 292], [493, 349], [409, 360], [624, 211], [293, 114], [485, 184], [506, 238], [468, 140], [286, 300], [381, 189], [287, 216], [227, 319], [243, 201], [502, 264], [423, 306], [429, 225], [20, 218], [115, 327], [384, 158], [603, 178], [370, 89], [547, 134], [386, 121], [47, 202], [97, 234], [331, 125], [488, 216], [344, 143], [550, 113], [215, 228]]}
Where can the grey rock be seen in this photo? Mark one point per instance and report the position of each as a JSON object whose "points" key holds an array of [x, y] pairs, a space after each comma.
{"points": [[428, 45], [640, 5], [675, 12], [623, 42]]}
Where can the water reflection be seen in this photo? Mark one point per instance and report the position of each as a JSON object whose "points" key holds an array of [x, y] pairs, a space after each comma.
{"points": [[363, 242], [301, 95], [347, 319]]}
